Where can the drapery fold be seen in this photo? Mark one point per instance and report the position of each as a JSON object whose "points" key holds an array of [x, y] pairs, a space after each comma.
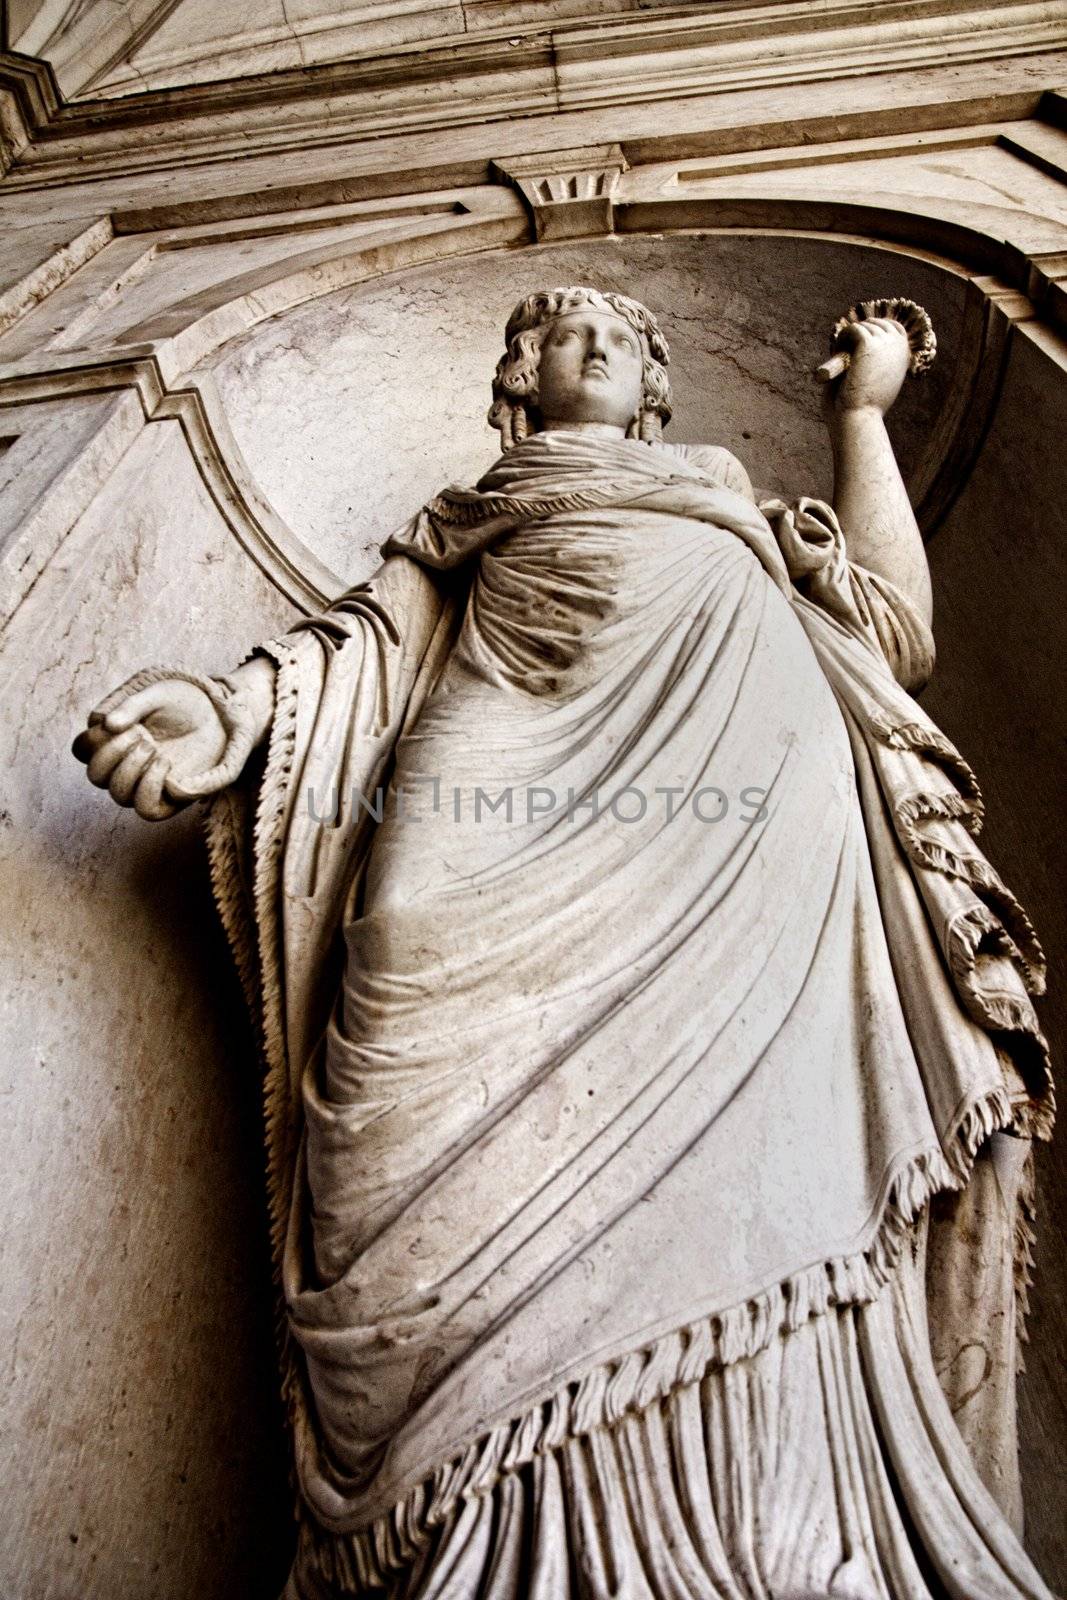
{"points": [[800, 1471], [355, 686]]}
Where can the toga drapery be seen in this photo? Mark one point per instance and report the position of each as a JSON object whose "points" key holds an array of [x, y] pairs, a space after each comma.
{"points": [[630, 983]]}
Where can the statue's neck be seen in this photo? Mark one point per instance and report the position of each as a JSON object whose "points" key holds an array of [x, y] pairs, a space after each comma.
{"points": [[606, 430]]}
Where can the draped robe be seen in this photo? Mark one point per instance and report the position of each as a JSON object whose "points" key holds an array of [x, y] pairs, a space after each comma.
{"points": [[630, 983]]}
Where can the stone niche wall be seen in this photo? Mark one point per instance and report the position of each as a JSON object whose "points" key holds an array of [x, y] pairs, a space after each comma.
{"points": [[999, 567], [141, 1452], [143, 1455], [353, 410]]}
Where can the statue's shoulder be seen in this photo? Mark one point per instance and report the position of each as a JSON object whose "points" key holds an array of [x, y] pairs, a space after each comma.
{"points": [[717, 462]]}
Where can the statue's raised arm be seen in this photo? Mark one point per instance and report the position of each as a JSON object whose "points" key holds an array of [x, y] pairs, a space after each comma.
{"points": [[870, 499]]}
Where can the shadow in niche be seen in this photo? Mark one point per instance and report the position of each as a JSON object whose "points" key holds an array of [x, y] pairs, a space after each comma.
{"points": [[264, 1550], [999, 566], [254, 1532]]}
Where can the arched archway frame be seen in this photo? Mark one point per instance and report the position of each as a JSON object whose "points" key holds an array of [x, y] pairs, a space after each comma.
{"points": [[107, 313]]}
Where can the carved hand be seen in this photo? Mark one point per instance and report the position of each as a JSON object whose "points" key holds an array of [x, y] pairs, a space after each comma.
{"points": [[158, 742], [139, 737], [879, 356]]}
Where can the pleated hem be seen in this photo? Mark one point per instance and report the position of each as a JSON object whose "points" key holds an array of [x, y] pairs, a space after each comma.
{"points": [[369, 1559]]}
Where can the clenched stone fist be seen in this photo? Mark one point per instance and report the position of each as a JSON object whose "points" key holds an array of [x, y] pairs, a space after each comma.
{"points": [[160, 741]]}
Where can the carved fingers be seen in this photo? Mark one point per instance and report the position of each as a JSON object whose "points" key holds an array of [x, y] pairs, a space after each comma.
{"points": [[119, 763], [149, 800], [878, 358], [130, 766], [169, 709], [883, 331], [141, 734]]}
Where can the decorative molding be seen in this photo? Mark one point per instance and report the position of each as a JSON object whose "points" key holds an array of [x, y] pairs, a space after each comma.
{"points": [[638, 67], [578, 192], [592, 48], [159, 371], [1044, 273], [56, 268], [261, 533], [838, 152], [189, 328], [29, 100], [389, 194], [82, 42], [45, 496], [255, 42], [569, 192], [689, 52]]}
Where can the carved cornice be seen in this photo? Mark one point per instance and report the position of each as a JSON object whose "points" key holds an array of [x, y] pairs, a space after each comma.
{"points": [[82, 42], [583, 70], [164, 352], [161, 376]]}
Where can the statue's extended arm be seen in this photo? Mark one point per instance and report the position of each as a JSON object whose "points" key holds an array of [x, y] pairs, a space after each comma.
{"points": [[869, 495], [155, 745]]}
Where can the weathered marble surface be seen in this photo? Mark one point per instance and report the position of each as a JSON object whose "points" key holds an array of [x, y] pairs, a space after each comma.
{"points": [[57, 455], [35, 1552], [138, 1445], [589, 373], [180, 162], [158, 44], [163, 44], [355, 131]]}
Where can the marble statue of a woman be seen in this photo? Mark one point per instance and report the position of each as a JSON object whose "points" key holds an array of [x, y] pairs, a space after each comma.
{"points": [[648, 1044]]}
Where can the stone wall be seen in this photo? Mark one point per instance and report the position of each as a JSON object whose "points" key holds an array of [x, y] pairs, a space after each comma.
{"points": [[141, 1441], [1000, 573]]}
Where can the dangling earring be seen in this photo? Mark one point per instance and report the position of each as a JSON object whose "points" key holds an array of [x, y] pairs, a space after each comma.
{"points": [[646, 427]]}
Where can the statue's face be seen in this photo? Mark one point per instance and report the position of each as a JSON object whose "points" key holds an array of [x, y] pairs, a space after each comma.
{"points": [[591, 370]]}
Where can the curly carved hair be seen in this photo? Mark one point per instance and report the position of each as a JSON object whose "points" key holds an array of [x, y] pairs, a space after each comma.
{"points": [[514, 410]]}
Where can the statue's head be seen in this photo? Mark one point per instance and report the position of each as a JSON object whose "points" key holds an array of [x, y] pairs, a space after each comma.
{"points": [[576, 355]]}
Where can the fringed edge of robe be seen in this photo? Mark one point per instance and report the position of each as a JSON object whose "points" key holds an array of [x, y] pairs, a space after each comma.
{"points": [[370, 1557], [250, 868]]}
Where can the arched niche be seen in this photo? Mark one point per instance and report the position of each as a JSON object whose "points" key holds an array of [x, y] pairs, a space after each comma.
{"points": [[320, 427], [350, 410]]}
